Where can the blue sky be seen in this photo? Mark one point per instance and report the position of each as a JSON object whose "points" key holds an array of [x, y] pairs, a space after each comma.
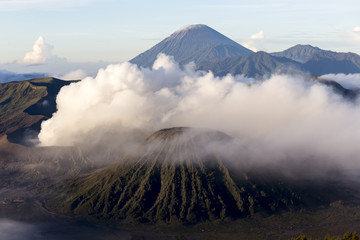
{"points": [[116, 31]]}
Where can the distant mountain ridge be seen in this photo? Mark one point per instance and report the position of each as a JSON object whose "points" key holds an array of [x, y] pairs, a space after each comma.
{"points": [[193, 43], [299, 53], [319, 62], [212, 51], [255, 65]]}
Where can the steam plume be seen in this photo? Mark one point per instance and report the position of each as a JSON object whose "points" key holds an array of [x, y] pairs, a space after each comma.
{"points": [[280, 117]]}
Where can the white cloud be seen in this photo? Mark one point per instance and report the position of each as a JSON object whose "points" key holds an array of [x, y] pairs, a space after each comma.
{"points": [[259, 35], [350, 81], [353, 38], [356, 29], [42, 60], [250, 45], [41, 51], [282, 117], [255, 43]]}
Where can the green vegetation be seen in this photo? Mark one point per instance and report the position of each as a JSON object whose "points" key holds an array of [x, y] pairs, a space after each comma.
{"points": [[26, 103], [173, 180], [347, 236], [15, 97]]}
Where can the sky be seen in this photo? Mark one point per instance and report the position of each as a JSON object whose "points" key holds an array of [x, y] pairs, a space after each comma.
{"points": [[114, 31]]}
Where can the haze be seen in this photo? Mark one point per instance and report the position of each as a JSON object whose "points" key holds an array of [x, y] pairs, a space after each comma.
{"points": [[281, 117]]}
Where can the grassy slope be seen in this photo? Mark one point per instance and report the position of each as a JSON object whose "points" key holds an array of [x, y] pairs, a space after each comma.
{"points": [[15, 97], [20, 102], [174, 182]]}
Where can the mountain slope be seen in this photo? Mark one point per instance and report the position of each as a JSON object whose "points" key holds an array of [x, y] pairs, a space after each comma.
{"points": [[319, 62], [299, 53], [306, 58], [254, 65], [24, 105], [33, 168], [332, 62], [193, 43], [179, 177]]}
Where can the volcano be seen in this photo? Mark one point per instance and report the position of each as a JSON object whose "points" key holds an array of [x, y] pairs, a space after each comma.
{"points": [[178, 175], [194, 43]]}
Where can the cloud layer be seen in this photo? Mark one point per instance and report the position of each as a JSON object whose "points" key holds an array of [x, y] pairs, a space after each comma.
{"points": [[280, 117], [6, 76], [350, 81], [73, 75]]}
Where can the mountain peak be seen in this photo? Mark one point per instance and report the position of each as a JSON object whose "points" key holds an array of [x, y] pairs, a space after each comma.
{"points": [[193, 43], [192, 27], [299, 53], [304, 46]]}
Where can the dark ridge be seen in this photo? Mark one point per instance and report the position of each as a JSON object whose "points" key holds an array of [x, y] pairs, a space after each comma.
{"points": [[46, 106], [348, 94]]}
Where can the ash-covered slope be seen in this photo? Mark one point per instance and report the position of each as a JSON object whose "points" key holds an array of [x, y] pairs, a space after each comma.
{"points": [[178, 175], [33, 168], [193, 43]]}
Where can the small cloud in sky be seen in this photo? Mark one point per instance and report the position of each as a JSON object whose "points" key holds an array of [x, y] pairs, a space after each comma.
{"points": [[41, 61], [259, 35], [355, 35], [356, 29], [255, 42], [41, 51]]}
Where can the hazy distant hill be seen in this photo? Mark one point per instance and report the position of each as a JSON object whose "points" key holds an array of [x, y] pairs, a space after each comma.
{"points": [[319, 62], [299, 53], [253, 65], [305, 58], [332, 62], [6, 76], [193, 43]]}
